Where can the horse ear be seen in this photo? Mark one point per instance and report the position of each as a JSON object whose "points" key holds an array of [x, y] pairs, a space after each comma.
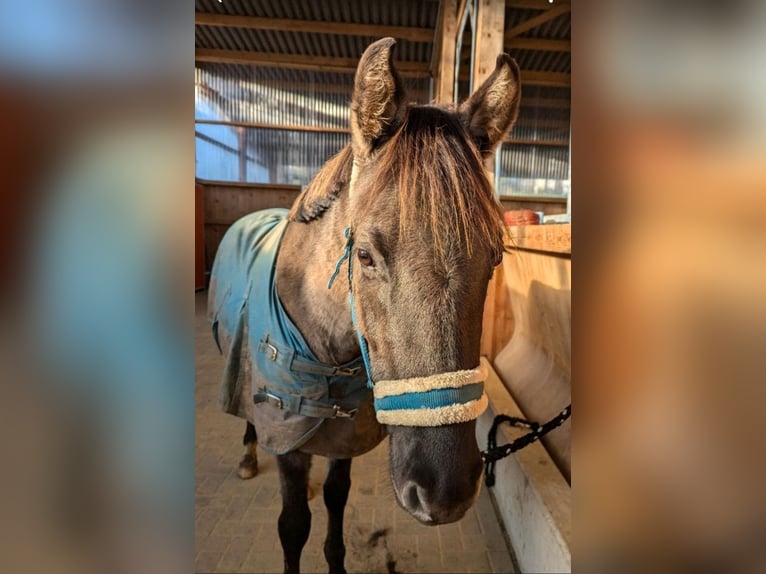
{"points": [[377, 106], [491, 111]]}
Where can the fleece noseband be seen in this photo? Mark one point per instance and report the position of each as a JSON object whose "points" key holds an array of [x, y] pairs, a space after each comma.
{"points": [[435, 400]]}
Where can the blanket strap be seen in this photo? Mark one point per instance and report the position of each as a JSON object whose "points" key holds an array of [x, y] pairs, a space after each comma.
{"points": [[302, 406]]}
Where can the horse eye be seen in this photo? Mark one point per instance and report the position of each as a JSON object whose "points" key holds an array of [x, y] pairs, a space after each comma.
{"points": [[365, 258]]}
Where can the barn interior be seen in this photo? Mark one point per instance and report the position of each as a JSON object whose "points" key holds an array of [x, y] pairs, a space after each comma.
{"points": [[273, 81]]}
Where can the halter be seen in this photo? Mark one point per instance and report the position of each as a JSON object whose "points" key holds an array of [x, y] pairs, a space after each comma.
{"points": [[434, 400]]}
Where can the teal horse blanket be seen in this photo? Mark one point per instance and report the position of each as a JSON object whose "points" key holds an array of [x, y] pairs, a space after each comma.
{"points": [[271, 377]]}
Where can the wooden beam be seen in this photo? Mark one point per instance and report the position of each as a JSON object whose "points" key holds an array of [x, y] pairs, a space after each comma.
{"points": [[461, 8], [490, 19], [534, 4], [297, 128], [540, 44], [267, 126], [520, 141], [321, 88], [318, 129], [532, 78], [536, 21], [444, 52], [488, 41], [314, 26], [299, 62]]}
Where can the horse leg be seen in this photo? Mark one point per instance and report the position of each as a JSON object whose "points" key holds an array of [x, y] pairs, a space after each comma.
{"points": [[248, 466], [336, 488], [295, 518]]}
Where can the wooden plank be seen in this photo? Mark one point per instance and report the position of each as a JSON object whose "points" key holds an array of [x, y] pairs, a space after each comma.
{"points": [[263, 186], [319, 129], [536, 362], [251, 185], [444, 53], [535, 199], [539, 44], [289, 127], [502, 329], [534, 78], [348, 65], [552, 238], [519, 141], [299, 62], [226, 202], [536, 21], [411, 34], [533, 498], [242, 142], [199, 236]]}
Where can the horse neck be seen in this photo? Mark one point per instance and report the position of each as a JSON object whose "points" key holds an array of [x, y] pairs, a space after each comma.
{"points": [[307, 258]]}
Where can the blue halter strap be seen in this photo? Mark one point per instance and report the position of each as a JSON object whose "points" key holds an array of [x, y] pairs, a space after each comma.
{"points": [[349, 235], [435, 400]]}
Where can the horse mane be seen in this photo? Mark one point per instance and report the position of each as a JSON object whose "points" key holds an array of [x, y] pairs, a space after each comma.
{"points": [[441, 179], [324, 188]]}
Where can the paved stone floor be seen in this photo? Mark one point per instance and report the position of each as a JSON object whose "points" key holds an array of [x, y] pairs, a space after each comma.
{"points": [[236, 520]]}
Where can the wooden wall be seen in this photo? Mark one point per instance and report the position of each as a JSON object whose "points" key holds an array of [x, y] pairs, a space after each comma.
{"points": [[226, 202], [527, 328], [548, 205]]}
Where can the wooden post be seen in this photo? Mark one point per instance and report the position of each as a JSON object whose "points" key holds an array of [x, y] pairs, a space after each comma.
{"points": [[490, 21], [444, 52], [488, 38], [242, 139], [199, 237]]}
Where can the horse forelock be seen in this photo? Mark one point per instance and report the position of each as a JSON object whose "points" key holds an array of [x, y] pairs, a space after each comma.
{"points": [[438, 176], [439, 180]]}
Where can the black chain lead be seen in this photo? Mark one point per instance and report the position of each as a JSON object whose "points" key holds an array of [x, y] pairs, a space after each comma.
{"points": [[495, 453]]}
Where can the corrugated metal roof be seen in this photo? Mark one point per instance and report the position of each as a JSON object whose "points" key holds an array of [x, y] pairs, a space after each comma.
{"points": [[301, 43], [254, 97], [421, 14], [543, 61], [408, 13], [256, 94], [558, 28]]}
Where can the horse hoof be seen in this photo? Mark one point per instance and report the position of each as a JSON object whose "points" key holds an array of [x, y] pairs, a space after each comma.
{"points": [[248, 467]]}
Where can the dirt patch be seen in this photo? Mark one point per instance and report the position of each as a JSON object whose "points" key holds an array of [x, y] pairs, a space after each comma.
{"points": [[370, 551]]}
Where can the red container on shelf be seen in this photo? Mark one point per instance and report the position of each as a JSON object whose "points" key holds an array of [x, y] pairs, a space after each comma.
{"points": [[521, 217]]}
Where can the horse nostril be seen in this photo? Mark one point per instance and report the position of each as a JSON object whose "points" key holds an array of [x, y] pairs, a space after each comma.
{"points": [[412, 497], [414, 501]]}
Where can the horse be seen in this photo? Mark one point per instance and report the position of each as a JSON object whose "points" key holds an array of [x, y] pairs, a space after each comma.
{"points": [[357, 314]]}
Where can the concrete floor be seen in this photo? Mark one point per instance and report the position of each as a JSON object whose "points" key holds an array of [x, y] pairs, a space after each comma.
{"points": [[236, 520]]}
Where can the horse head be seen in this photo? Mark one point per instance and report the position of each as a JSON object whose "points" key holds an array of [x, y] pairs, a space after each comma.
{"points": [[426, 234]]}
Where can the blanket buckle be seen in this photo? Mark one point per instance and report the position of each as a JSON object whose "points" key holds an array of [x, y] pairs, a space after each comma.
{"points": [[342, 413]]}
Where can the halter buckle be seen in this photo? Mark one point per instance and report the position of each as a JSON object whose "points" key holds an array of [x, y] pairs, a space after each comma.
{"points": [[342, 413]]}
